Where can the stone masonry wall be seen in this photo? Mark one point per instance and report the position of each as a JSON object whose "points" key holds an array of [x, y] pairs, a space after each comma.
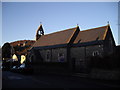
{"points": [[56, 52], [82, 55], [52, 55], [90, 50]]}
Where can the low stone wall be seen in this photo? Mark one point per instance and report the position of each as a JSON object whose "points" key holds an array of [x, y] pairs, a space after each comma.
{"points": [[105, 74]]}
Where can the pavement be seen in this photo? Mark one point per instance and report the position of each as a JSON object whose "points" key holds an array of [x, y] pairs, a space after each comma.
{"points": [[16, 80]]}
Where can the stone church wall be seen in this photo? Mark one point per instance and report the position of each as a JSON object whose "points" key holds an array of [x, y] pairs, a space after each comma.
{"points": [[51, 59], [59, 55], [53, 55], [94, 50], [82, 56], [78, 53], [81, 53]]}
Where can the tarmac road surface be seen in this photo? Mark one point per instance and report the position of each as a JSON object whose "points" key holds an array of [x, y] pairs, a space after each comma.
{"points": [[16, 80]]}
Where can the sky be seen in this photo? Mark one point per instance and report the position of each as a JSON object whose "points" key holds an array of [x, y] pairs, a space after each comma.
{"points": [[20, 20]]}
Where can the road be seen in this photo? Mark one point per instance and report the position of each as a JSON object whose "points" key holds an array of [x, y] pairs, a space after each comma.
{"points": [[16, 80]]}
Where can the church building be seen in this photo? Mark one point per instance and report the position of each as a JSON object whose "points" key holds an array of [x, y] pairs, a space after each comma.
{"points": [[71, 48]]}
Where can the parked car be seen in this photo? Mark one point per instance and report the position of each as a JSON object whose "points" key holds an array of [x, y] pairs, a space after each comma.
{"points": [[14, 69], [22, 69]]}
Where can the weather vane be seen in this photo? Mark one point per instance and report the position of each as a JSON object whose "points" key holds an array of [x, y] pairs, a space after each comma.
{"points": [[108, 22]]}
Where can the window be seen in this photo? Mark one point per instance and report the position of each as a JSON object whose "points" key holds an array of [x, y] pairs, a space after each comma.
{"points": [[95, 53], [23, 58], [48, 56], [61, 57], [24, 44]]}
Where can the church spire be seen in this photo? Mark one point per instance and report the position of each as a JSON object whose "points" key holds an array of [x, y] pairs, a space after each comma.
{"points": [[39, 32]]}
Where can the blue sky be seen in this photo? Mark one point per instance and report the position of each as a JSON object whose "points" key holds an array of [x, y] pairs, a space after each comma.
{"points": [[20, 20]]}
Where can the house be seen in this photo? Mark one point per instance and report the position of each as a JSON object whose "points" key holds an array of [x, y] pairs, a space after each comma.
{"points": [[71, 48], [21, 48]]}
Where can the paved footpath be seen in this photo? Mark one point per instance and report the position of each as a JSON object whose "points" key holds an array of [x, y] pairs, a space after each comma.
{"points": [[16, 80]]}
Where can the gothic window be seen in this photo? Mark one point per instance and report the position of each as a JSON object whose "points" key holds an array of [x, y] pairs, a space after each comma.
{"points": [[61, 57], [95, 53], [48, 56]]}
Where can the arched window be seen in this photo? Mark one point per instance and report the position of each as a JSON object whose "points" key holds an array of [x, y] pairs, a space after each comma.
{"points": [[95, 53], [48, 56], [23, 58], [61, 57]]}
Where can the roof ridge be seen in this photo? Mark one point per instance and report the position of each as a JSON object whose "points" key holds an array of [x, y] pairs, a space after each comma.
{"points": [[94, 28], [21, 41], [59, 31]]}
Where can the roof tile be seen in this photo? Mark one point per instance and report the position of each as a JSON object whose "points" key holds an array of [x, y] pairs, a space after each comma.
{"points": [[61, 37], [91, 35]]}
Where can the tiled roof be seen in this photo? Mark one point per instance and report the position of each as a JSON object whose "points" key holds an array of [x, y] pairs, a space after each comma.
{"points": [[64, 37], [28, 42], [23, 52], [23, 43], [91, 35], [60, 37]]}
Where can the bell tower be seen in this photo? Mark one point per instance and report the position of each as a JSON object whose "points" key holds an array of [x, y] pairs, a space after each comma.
{"points": [[39, 32]]}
